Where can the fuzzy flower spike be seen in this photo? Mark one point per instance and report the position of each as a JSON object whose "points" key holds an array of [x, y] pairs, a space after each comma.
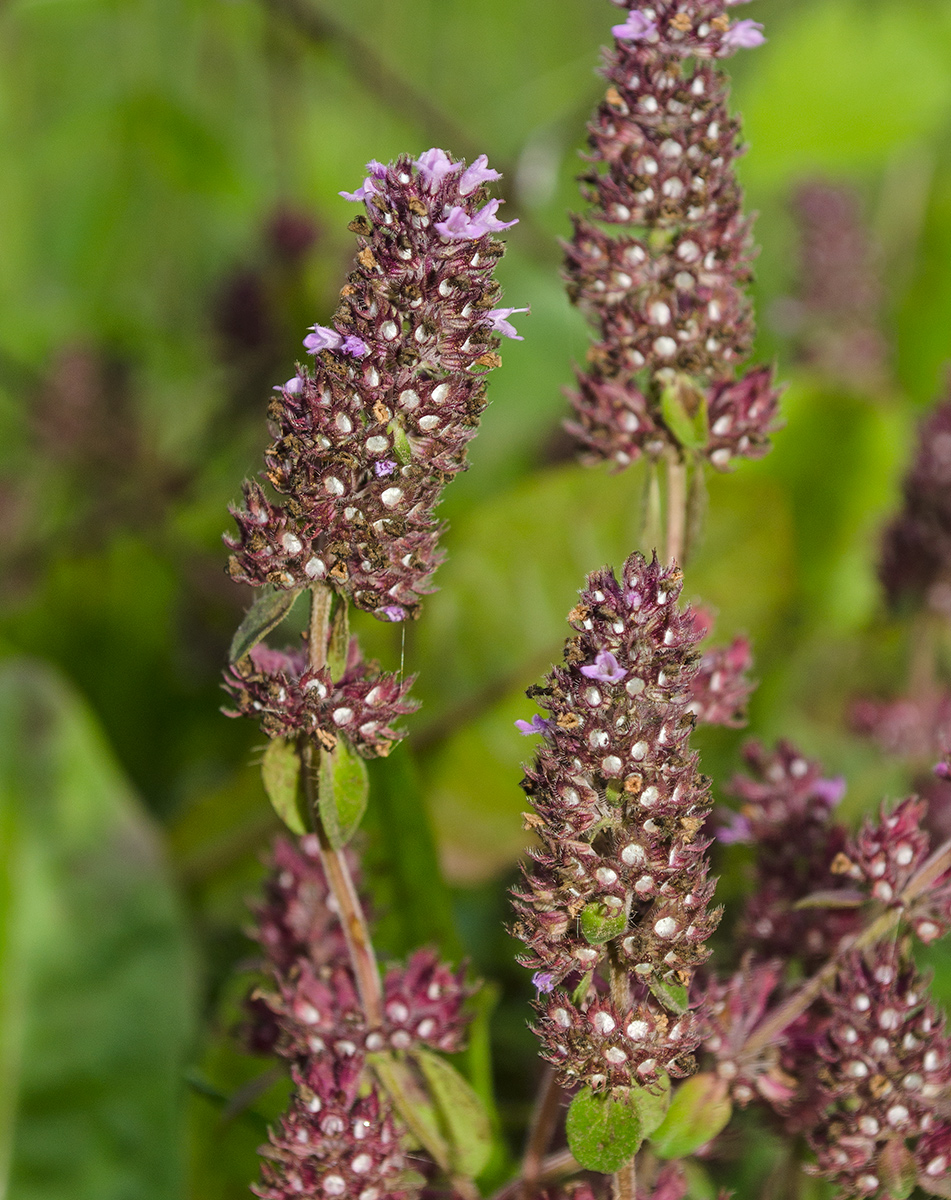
{"points": [[660, 262], [614, 911], [366, 437]]}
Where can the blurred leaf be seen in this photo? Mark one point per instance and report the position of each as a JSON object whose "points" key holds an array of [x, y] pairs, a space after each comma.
{"points": [[280, 770], [269, 609], [699, 1110], [684, 409], [896, 1167], [463, 1116], [343, 791], [413, 1103], [95, 982], [652, 1104], [339, 642], [411, 898], [604, 1129]]}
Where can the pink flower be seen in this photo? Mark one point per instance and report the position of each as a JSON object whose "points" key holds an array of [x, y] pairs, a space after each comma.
{"points": [[606, 668], [536, 725], [435, 164], [458, 226], [635, 28], [499, 323], [744, 35], [323, 338], [480, 172]]}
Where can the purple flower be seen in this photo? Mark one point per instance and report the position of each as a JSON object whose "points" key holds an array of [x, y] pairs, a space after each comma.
{"points": [[363, 191], [744, 35], [394, 612], [436, 164], [736, 830], [323, 338], [460, 227], [536, 725], [543, 982], [606, 668], [356, 346], [293, 386], [479, 172], [386, 467], [499, 323], [830, 791], [635, 28]]}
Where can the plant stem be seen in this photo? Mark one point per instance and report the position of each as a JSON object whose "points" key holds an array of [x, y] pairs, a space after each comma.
{"points": [[624, 1182], [676, 509], [340, 881], [555, 1166], [799, 1001], [544, 1121]]}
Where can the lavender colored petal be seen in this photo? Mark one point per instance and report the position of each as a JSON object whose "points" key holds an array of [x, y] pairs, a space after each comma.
{"points": [[543, 982], [744, 35], [499, 323], [434, 165], [635, 28], [394, 612], [480, 172], [606, 668], [356, 346], [737, 830], [322, 338], [536, 725], [830, 791], [383, 468]]}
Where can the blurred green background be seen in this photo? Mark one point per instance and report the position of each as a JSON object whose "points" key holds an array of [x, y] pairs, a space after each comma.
{"points": [[170, 224]]}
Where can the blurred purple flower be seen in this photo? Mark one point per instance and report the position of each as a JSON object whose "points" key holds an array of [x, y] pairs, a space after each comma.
{"points": [[744, 35], [536, 725], [635, 28]]}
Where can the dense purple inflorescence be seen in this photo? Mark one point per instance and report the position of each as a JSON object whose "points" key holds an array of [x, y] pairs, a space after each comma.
{"points": [[660, 261], [339, 1137], [366, 438], [916, 549], [888, 1061], [618, 885]]}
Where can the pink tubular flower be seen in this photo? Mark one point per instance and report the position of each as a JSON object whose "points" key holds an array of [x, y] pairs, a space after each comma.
{"points": [[660, 263], [606, 668], [368, 436], [498, 317], [744, 35]]}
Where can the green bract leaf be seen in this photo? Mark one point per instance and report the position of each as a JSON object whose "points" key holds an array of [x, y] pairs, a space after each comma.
{"points": [[673, 997], [897, 1169], [280, 770], [343, 790], [266, 613], [699, 1110], [604, 1129], [404, 451], [465, 1122], [414, 1105], [684, 408], [600, 924], [652, 1104], [339, 638]]}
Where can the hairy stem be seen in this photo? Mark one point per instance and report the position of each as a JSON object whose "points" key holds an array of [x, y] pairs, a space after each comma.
{"points": [[676, 509], [350, 911], [624, 1182], [544, 1122], [799, 1001]]}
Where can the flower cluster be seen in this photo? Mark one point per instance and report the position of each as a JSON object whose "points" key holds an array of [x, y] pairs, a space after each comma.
{"points": [[619, 883], [786, 814], [835, 315], [916, 549], [720, 689], [887, 1061], [290, 699], [339, 1137], [911, 726], [660, 262], [366, 438], [732, 1010], [886, 855]]}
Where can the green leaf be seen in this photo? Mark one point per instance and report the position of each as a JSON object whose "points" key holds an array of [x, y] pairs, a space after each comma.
{"points": [[404, 451], [652, 1104], [280, 770], [266, 613], [343, 790], [604, 1129], [684, 408], [673, 996], [600, 924], [464, 1119], [700, 1109], [339, 642], [413, 1103], [96, 991], [897, 1169]]}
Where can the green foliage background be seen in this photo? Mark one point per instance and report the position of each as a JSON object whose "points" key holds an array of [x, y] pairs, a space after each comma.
{"points": [[147, 149]]}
